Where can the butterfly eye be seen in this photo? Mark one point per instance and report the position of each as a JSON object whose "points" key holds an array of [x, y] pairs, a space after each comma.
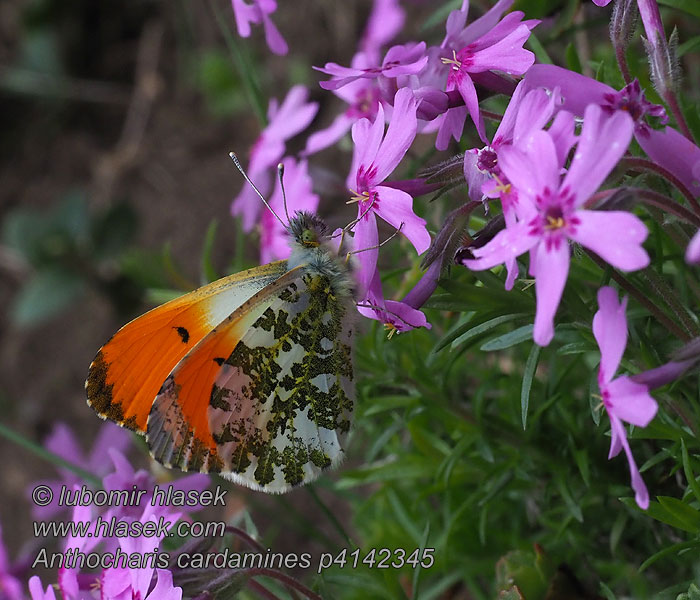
{"points": [[308, 238]]}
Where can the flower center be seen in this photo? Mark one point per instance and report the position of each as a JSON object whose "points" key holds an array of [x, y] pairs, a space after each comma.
{"points": [[456, 64], [391, 330], [554, 219], [487, 160]]}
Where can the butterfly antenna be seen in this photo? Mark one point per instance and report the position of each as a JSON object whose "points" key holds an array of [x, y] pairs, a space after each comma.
{"points": [[280, 176], [236, 162], [386, 241]]}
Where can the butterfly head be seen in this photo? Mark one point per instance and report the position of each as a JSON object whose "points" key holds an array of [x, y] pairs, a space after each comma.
{"points": [[307, 229]]}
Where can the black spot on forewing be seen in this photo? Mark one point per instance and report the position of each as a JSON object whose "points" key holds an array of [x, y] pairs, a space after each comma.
{"points": [[183, 333]]}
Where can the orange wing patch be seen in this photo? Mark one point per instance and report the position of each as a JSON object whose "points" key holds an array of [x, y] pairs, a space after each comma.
{"points": [[178, 425], [128, 371]]}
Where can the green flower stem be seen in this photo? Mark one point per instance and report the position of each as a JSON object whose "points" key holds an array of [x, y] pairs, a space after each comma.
{"points": [[667, 204], [663, 290], [643, 165], [286, 579], [331, 517], [245, 69], [35, 448], [670, 98], [245, 537]]}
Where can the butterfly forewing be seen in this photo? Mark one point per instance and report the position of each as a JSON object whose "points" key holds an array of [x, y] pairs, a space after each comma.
{"points": [[130, 369], [280, 403]]}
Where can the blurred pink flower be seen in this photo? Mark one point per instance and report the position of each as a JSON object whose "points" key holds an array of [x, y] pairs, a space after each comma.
{"points": [[274, 239], [623, 398], [384, 23], [258, 12], [37, 591], [407, 59], [10, 586], [362, 97], [62, 442], [284, 122]]}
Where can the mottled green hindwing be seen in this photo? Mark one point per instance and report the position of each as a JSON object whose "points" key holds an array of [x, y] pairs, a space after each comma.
{"points": [[282, 400]]}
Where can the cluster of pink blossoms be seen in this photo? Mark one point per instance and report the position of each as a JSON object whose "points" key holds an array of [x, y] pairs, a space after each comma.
{"points": [[123, 580], [558, 141]]}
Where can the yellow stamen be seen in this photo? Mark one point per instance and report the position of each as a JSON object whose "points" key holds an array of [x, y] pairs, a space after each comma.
{"points": [[391, 328], [554, 223], [502, 187], [357, 197], [456, 64]]}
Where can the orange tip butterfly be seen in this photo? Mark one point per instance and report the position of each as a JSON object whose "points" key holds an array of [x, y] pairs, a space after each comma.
{"points": [[249, 376]]}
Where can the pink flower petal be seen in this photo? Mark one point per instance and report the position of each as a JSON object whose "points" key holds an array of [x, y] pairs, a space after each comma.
{"points": [[631, 402], [692, 252], [610, 331], [468, 92], [641, 495], [164, 589], [399, 135], [328, 136], [615, 236], [451, 125], [396, 207], [602, 143], [37, 590], [367, 139], [532, 166], [674, 152], [506, 245], [507, 55], [366, 236], [552, 271], [273, 37], [485, 23]]}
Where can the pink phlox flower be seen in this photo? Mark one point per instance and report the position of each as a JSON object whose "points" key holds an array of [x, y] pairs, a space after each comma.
{"points": [[406, 59], [116, 584], [601, 2], [624, 399], [37, 591], [274, 239], [63, 443], [125, 477], [258, 12], [122, 583], [10, 586], [488, 44], [396, 316], [362, 97], [375, 157], [71, 584], [550, 211], [526, 113], [284, 122]]}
